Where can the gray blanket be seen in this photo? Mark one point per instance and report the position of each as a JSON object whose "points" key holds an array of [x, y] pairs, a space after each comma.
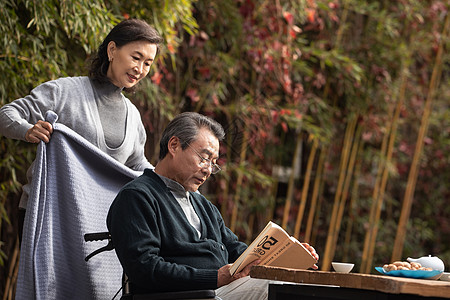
{"points": [[73, 186]]}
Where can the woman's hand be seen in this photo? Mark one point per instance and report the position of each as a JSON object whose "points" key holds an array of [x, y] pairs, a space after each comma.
{"points": [[224, 277], [41, 131], [313, 253]]}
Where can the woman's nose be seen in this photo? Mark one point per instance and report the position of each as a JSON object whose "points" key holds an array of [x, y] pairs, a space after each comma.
{"points": [[138, 68]]}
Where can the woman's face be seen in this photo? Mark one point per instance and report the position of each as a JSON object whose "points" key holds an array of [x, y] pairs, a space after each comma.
{"points": [[130, 63]]}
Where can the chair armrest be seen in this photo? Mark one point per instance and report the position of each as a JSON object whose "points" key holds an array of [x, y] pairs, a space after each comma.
{"points": [[194, 294], [99, 236]]}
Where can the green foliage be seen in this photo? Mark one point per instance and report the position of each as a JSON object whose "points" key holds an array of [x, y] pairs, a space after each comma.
{"points": [[269, 71], [43, 40]]}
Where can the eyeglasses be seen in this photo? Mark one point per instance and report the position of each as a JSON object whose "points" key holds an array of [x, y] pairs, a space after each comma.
{"points": [[206, 163]]}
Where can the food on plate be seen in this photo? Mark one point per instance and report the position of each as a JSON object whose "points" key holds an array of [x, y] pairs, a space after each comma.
{"points": [[404, 265]]}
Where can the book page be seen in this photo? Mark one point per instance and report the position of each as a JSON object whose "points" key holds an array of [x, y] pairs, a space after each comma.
{"points": [[262, 247], [293, 255], [282, 248]]}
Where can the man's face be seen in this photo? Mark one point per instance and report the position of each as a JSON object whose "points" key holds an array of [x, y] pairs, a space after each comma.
{"points": [[187, 170]]}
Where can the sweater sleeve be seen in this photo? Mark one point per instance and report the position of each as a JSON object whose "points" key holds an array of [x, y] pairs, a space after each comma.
{"points": [[133, 225], [21, 114]]}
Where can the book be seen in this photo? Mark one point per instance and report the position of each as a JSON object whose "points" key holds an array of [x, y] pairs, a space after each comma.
{"points": [[275, 247]]}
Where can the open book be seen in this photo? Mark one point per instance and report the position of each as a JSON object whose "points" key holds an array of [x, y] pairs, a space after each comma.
{"points": [[274, 247]]}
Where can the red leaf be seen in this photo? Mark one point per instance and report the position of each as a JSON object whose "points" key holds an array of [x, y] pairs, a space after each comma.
{"points": [[215, 100], [156, 78], [171, 48], [192, 93], [288, 17], [311, 14], [292, 33], [205, 71], [274, 115]]}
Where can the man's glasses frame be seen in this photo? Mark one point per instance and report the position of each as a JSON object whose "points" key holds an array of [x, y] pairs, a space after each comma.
{"points": [[206, 163]]}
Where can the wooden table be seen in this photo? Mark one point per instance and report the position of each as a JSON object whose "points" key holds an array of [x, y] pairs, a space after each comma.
{"points": [[331, 284]]}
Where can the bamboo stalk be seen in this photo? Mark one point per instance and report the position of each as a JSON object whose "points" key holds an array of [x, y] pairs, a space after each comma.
{"points": [[347, 181], [314, 197], [412, 176], [353, 199], [290, 191], [385, 174], [315, 229], [239, 181], [12, 273], [382, 176], [375, 192], [381, 166], [325, 266], [384, 179], [341, 28], [327, 85], [311, 158], [328, 256]]}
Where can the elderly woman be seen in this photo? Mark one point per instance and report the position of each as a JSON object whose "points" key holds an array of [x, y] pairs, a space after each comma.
{"points": [[92, 106]]}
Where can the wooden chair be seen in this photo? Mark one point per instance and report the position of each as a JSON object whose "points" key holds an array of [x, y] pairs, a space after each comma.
{"points": [[127, 293]]}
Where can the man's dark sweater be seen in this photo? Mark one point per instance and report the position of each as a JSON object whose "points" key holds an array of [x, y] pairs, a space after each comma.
{"points": [[158, 247]]}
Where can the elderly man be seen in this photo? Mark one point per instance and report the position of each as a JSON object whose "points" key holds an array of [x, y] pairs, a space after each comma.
{"points": [[169, 237]]}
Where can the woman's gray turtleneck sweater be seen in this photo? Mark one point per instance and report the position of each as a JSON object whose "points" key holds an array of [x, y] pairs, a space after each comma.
{"points": [[98, 112]]}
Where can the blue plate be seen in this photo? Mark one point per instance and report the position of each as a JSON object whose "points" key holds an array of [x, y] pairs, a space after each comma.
{"points": [[421, 274]]}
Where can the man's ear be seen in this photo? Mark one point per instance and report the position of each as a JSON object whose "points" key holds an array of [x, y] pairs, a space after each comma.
{"points": [[174, 145]]}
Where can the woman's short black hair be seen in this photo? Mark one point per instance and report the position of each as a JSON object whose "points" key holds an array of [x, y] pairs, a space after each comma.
{"points": [[125, 32]]}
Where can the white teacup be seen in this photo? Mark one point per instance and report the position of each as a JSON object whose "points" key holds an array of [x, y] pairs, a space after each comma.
{"points": [[342, 267]]}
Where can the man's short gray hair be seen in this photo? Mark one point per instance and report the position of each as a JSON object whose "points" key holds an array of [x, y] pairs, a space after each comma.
{"points": [[185, 126]]}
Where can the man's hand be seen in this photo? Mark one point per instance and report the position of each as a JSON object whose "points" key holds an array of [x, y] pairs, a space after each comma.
{"points": [[41, 131], [313, 253], [224, 277]]}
